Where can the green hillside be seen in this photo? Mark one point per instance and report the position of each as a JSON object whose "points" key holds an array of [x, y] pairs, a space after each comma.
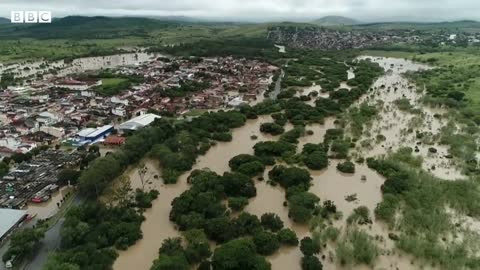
{"points": [[455, 25], [335, 21]]}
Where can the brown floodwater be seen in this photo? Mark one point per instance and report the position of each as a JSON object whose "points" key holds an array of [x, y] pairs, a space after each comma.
{"points": [[394, 123], [82, 64], [49, 208], [328, 184], [157, 226]]}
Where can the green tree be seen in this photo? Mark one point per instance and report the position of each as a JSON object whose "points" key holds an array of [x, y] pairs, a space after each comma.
{"points": [[309, 247], [346, 167], [272, 128], [66, 176], [24, 242], [311, 263], [238, 254], [238, 185], [271, 221], [198, 247], [266, 243], [316, 160], [237, 203], [289, 176], [287, 237]]}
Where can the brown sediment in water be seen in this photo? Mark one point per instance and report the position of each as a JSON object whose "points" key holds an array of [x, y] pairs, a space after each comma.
{"points": [[394, 123], [328, 184], [157, 225], [49, 208]]}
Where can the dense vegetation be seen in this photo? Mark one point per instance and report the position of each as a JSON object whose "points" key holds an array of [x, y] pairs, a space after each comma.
{"points": [[201, 210], [425, 223]]}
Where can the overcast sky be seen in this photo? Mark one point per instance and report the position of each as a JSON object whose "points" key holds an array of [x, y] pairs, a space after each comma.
{"points": [[259, 10]]}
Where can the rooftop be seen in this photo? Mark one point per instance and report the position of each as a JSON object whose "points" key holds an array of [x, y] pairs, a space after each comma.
{"points": [[94, 132], [139, 121], [10, 217]]}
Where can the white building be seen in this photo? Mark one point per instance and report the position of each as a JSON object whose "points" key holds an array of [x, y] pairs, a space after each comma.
{"points": [[47, 119], [138, 122], [117, 100], [54, 131], [119, 111]]}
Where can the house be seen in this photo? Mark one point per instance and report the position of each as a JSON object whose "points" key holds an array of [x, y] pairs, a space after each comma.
{"points": [[47, 119], [114, 140], [75, 85], [119, 111], [57, 132], [11, 145]]}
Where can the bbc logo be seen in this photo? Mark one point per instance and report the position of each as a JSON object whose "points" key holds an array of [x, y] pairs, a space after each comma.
{"points": [[31, 17]]}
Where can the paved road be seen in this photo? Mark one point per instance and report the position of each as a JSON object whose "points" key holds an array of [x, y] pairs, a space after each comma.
{"points": [[50, 242]]}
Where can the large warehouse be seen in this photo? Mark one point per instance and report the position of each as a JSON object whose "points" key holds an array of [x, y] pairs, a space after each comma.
{"points": [[93, 135], [138, 122], [9, 220]]}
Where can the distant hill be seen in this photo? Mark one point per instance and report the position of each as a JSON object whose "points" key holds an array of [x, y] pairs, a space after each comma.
{"points": [[77, 27], [465, 25], [334, 21], [4, 20]]}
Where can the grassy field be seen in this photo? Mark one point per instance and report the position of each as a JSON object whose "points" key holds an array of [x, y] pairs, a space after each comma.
{"points": [[55, 49], [113, 86], [112, 82]]}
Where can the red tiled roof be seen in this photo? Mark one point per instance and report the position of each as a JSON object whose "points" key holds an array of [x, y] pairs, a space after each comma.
{"points": [[114, 140]]}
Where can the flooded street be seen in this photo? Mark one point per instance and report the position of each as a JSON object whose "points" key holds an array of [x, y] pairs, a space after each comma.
{"points": [[49, 208]]}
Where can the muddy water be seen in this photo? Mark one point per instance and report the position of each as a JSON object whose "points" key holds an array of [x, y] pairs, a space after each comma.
{"points": [[328, 184], [157, 226], [28, 69], [394, 124], [49, 208]]}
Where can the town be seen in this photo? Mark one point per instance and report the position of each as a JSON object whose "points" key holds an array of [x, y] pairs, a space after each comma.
{"points": [[51, 117], [338, 39]]}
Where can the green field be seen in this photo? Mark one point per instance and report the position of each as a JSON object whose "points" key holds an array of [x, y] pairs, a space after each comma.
{"points": [[113, 86], [112, 82]]}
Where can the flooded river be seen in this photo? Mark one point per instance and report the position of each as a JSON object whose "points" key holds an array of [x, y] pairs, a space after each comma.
{"points": [[28, 69], [328, 184], [400, 127]]}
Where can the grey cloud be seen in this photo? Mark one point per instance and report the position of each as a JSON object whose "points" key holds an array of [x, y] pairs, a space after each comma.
{"points": [[258, 10]]}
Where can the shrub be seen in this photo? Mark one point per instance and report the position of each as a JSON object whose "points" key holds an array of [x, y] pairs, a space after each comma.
{"points": [[309, 247], [346, 167], [237, 203], [271, 222], [311, 263], [287, 237]]}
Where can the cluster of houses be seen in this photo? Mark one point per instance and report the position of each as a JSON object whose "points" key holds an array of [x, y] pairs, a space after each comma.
{"points": [[35, 180], [69, 110], [337, 39]]}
